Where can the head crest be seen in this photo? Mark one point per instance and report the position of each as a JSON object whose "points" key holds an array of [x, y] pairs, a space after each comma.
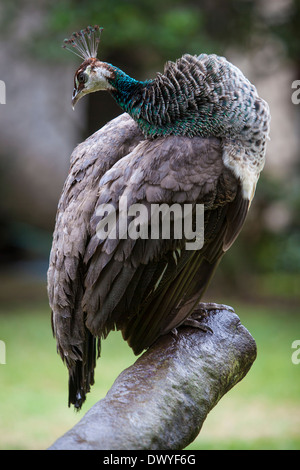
{"points": [[86, 42]]}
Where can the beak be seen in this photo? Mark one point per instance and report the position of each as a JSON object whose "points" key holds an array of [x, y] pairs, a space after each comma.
{"points": [[75, 96]]}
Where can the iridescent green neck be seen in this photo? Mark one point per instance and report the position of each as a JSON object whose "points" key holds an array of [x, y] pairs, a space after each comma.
{"points": [[163, 107], [148, 103], [128, 92], [196, 96]]}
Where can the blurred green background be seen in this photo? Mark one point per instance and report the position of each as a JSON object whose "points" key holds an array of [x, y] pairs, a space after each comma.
{"points": [[259, 277]]}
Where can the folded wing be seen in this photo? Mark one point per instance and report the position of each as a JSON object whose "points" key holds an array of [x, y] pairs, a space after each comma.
{"points": [[141, 286]]}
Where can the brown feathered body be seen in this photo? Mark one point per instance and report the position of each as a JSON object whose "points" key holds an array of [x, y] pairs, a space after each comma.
{"points": [[147, 287], [94, 287]]}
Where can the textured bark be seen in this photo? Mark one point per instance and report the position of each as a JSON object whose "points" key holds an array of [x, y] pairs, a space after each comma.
{"points": [[162, 400]]}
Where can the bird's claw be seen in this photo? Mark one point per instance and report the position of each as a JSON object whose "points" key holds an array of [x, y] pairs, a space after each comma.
{"points": [[208, 306], [195, 323], [200, 312]]}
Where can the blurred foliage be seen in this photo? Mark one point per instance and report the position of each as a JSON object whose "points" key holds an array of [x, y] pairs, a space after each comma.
{"points": [[169, 29], [278, 249], [145, 29], [286, 27]]}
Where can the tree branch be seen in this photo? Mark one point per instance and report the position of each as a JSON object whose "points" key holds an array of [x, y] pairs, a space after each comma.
{"points": [[162, 400]]}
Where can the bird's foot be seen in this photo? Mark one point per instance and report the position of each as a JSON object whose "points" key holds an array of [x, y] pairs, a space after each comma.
{"points": [[208, 306], [196, 322], [174, 332], [201, 311]]}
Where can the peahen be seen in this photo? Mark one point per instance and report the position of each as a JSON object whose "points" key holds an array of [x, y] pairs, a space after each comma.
{"points": [[195, 134]]}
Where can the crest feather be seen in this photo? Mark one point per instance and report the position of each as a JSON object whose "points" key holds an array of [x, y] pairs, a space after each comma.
{"points": [[85, 41]]}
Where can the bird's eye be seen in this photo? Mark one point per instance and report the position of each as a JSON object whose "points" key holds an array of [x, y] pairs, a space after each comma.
{"points": [[82, 77]]}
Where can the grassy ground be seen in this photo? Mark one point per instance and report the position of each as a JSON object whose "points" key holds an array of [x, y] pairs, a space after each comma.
{"points": [[262, 412]]}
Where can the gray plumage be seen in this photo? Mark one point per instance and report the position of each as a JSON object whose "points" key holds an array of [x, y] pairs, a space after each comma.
{"points": [[147, 287]]}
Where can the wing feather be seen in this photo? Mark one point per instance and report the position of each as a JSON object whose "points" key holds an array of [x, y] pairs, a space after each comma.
{"points": [[169, 170], [89, 162], [143, 287]]}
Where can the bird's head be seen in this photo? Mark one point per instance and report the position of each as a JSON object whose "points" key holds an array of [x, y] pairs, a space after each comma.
{"points": [[92, 75]]}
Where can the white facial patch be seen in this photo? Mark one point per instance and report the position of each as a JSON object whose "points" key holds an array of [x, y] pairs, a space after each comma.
{"points": [[98, 79]]}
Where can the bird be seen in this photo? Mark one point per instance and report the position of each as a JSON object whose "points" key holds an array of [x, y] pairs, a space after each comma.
{"points": [[193, 135]]}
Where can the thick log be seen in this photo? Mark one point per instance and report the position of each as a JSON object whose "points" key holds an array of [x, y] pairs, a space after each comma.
{"points": [[162, 400]]}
